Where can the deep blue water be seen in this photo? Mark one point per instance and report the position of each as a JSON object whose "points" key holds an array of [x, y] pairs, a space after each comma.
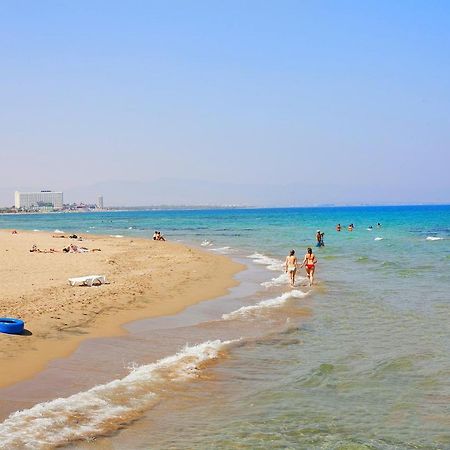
{"points": [[368, 368]]}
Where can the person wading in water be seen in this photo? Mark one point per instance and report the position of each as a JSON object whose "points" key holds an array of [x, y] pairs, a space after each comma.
{"points": [[291, 266], [310, 262]]}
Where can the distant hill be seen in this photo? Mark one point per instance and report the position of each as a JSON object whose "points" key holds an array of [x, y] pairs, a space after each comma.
{"points": [[309, 192]]}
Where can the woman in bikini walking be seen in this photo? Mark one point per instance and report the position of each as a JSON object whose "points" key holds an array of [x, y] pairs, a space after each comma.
{"points": [[290, 266], [310, 263]]}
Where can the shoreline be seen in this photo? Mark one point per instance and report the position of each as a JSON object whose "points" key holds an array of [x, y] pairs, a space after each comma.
{"points": [[147, 279]]}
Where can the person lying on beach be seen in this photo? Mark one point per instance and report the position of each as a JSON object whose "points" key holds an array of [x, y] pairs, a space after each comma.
{"points": [[75, 249], [58, 236], [38, 250], [310, 262], [14, 232], [72, 248], [290, 266]]}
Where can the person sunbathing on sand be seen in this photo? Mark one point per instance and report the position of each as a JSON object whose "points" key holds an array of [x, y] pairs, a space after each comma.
{"points": [[72, 248], [75, 249], [38, 250]]}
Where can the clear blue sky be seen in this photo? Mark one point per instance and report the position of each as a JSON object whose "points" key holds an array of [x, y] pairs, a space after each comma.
{"points": [[346, 96]]}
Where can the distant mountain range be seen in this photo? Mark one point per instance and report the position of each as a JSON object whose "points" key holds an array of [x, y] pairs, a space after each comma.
{"points": [[203, 193]]}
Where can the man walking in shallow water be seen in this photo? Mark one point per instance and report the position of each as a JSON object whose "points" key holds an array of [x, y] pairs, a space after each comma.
{"points": [[290, 266]]}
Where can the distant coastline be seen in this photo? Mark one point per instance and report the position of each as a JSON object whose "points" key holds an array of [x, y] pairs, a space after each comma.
{"points": [[12, 212]]}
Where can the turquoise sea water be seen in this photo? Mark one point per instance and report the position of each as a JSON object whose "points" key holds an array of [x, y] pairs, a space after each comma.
{"points": [[360, 361]]}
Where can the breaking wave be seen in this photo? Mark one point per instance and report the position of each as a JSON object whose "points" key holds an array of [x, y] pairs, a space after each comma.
{"points": [[271, 263], [105, 408], [276, 302]]}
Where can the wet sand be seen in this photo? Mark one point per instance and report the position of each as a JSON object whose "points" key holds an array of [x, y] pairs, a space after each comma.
{"points": [[146, 279]]}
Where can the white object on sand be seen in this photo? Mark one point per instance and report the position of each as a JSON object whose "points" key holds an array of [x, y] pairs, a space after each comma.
{"points": [[88, 280]]}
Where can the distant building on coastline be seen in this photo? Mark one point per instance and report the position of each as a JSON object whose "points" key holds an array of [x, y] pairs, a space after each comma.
{"points": [[100, 202], [38, 200]]}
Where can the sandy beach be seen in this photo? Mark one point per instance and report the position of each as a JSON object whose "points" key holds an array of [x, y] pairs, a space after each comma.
{"points": [[146, 278]]}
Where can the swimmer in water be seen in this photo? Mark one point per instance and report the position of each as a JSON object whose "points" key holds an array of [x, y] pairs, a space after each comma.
{"points": [[319, 239], [310, 262], [291, 266], [338, 227]]}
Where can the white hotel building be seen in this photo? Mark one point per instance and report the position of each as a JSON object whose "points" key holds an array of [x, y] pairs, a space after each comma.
{"points": [[35, 200]]}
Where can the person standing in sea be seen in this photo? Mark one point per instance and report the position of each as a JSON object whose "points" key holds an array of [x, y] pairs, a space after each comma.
{"points": [[319, 239], [291, 266], [310, 262]]}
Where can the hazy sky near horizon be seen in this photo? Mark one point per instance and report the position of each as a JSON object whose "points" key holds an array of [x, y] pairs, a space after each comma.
{"points": [[345, 93]]}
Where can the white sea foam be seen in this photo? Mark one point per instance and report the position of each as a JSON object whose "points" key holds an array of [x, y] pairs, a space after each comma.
{"points": [[222, 249], [206, 243], [36, 230], [434, 238], [116, 235], [276, 302], [271, 263], [103, 408], [277, 281], [58, 231], [378, 239], [281, 280]]}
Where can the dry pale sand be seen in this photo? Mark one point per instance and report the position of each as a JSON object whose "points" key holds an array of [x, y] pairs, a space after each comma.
{"points": [[147, 278]]}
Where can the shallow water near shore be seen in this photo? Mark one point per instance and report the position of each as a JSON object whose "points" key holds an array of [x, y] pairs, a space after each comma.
{"points": [[359, 361]]}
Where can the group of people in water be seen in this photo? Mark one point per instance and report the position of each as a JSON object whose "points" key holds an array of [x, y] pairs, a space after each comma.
{"points": [[309, 262], [351, 227]]}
